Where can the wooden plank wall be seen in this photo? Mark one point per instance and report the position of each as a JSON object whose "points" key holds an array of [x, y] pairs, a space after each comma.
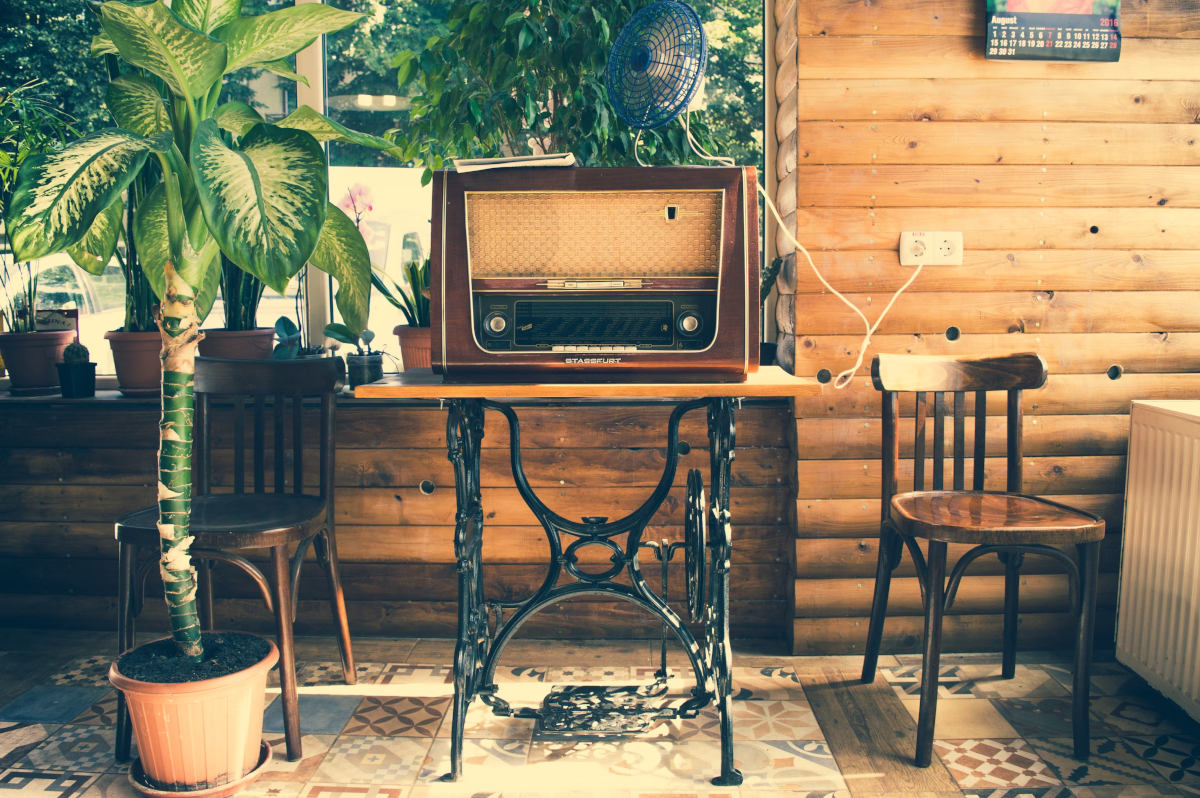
{"points": [[67, 470], [1077, 189]]}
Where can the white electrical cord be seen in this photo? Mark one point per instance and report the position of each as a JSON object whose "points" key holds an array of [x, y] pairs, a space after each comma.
{"points": [[843, 378]]}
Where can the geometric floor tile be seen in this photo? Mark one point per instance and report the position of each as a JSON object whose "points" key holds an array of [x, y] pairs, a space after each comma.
{"points": [[52, 785], [994, 764], [1113, 761], [78, 749], [311, 674], [966, 718], [1049, 717], [280, 770], [484, 724], [319, 714], [757, 684], [621, 765], [978, 681], [488, 766], [406, 673], [1176, 757], [52, 703], [351, 791], [398, 717], [774, 720], [803, 765], [17, 739], [371, 759], [1145, 716], [101, 713], [84, 672]]}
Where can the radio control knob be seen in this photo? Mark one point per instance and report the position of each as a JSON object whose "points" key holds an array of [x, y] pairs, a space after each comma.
{"points": [[495, 324], [689, 323]]}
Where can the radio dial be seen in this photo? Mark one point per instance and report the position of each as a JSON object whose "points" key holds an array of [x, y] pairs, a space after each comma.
{"points": [[495, 324], [689, 323]]}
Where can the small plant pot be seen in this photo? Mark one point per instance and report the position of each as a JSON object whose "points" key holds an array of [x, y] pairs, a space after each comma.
{"points": [[361, 369], [138, 362], [30, 359], [415, 346], [77, 380], [199, 735], [255, 344]]}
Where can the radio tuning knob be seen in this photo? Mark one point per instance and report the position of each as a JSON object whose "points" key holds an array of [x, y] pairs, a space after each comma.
{"points": [[495, 324], [689, 323]]}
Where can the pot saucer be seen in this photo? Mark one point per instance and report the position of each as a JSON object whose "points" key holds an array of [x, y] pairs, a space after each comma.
{"points": [[138, 779]]}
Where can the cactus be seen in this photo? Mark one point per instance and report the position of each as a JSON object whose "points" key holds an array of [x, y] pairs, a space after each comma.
{"points": [[76, 353]]}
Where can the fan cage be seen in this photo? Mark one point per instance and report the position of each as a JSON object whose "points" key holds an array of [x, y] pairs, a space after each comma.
{"points": [[656, 64]]}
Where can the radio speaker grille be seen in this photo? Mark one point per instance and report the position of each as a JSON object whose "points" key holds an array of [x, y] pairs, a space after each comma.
{"points": [[593, 233]]}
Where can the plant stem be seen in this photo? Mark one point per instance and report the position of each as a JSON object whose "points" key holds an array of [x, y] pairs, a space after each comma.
{"points": [[180, 330]]}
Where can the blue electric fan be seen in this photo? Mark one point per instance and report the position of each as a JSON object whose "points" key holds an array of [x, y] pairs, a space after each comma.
{"points": [[656, 64]]}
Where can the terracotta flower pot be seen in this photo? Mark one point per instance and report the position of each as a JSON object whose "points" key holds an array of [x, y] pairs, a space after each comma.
{"points": [[238, 344], [415, 346], [30, 359], [137, 361], [197, 735]]}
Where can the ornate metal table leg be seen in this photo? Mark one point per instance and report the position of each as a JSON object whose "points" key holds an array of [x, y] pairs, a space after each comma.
{"points": [[464, 434], [716, 632]]}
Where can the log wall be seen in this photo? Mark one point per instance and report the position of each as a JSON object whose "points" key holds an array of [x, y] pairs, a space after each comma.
{"points": [[1077, 189], [69, 468]]}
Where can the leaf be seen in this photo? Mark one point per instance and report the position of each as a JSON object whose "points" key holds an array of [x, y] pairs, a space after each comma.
{"points": [[58, 195], [153, 37], [102, 45], [237, 117], [264, 202], [93, 252], [284, 70], [323, 128], [207, 15], [136, 105], [342, 254], [406, 66], [154, 251], [515, 16], [279, 34]]}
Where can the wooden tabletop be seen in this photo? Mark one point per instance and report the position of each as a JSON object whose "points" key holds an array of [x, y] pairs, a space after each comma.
{"points": [[768, 381]]}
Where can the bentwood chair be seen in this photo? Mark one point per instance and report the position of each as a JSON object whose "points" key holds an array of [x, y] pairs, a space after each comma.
{"points": [[1007, 523], [272, 497]]}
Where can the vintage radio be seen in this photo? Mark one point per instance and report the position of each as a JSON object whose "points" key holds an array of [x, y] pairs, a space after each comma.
{"points": [[561, 273]]}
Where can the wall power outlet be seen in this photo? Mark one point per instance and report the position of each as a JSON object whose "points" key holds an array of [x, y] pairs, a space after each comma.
{"points": [[932, 249]]}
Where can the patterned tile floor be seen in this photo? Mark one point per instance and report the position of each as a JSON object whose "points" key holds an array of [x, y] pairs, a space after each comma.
{"points": [[388, 737]]}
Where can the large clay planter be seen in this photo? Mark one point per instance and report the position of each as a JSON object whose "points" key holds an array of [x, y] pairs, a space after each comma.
{"points": [[238, 344], [137, 360], [30, 359], [197, 736], [415, 345]]}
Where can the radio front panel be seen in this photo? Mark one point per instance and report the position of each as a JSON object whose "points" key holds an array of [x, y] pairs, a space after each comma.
{"points": [[596, 273]]}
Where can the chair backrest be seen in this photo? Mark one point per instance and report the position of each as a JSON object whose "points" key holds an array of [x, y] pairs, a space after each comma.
{"points": [[257, 409], [931, 377]]}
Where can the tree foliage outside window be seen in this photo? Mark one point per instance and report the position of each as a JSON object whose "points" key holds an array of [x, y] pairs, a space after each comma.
{"points": [[510, 78]]}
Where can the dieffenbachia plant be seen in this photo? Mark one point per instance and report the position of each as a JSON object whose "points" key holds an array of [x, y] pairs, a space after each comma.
{"points": [[226, 182]]}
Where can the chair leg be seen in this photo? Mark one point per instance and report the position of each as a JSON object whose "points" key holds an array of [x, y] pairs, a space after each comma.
{"points": [[889, 542], [287, 651], [204, 569], [125, 571], [935, 593], [1089, 573], [326, 550], [1012, 599]]}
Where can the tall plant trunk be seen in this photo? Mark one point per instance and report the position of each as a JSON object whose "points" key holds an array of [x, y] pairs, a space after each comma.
{"points": [[180, 330]]}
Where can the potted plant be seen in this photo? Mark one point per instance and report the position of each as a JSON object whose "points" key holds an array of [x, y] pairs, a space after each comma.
{"points": [[226, 182], [77, 372], [412, 298], [366, 365], [30, 125]]}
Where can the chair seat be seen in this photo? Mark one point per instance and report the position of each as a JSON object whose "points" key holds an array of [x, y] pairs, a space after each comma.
{"points": [[235, 520], [992, 518]]}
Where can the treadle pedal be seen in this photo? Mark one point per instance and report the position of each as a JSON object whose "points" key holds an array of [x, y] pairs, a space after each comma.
{"points": [[601, 712]]}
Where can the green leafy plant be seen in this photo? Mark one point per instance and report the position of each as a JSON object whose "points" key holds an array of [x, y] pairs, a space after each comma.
{"points": [[412, 296], [343, 334], [227, 183], [30, 125]]}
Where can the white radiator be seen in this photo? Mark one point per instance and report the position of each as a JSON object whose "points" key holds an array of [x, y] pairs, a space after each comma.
{"points": [[1158, 606]]}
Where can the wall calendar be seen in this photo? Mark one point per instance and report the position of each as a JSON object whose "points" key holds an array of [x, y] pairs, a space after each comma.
{"points": [[1053, 30]]}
